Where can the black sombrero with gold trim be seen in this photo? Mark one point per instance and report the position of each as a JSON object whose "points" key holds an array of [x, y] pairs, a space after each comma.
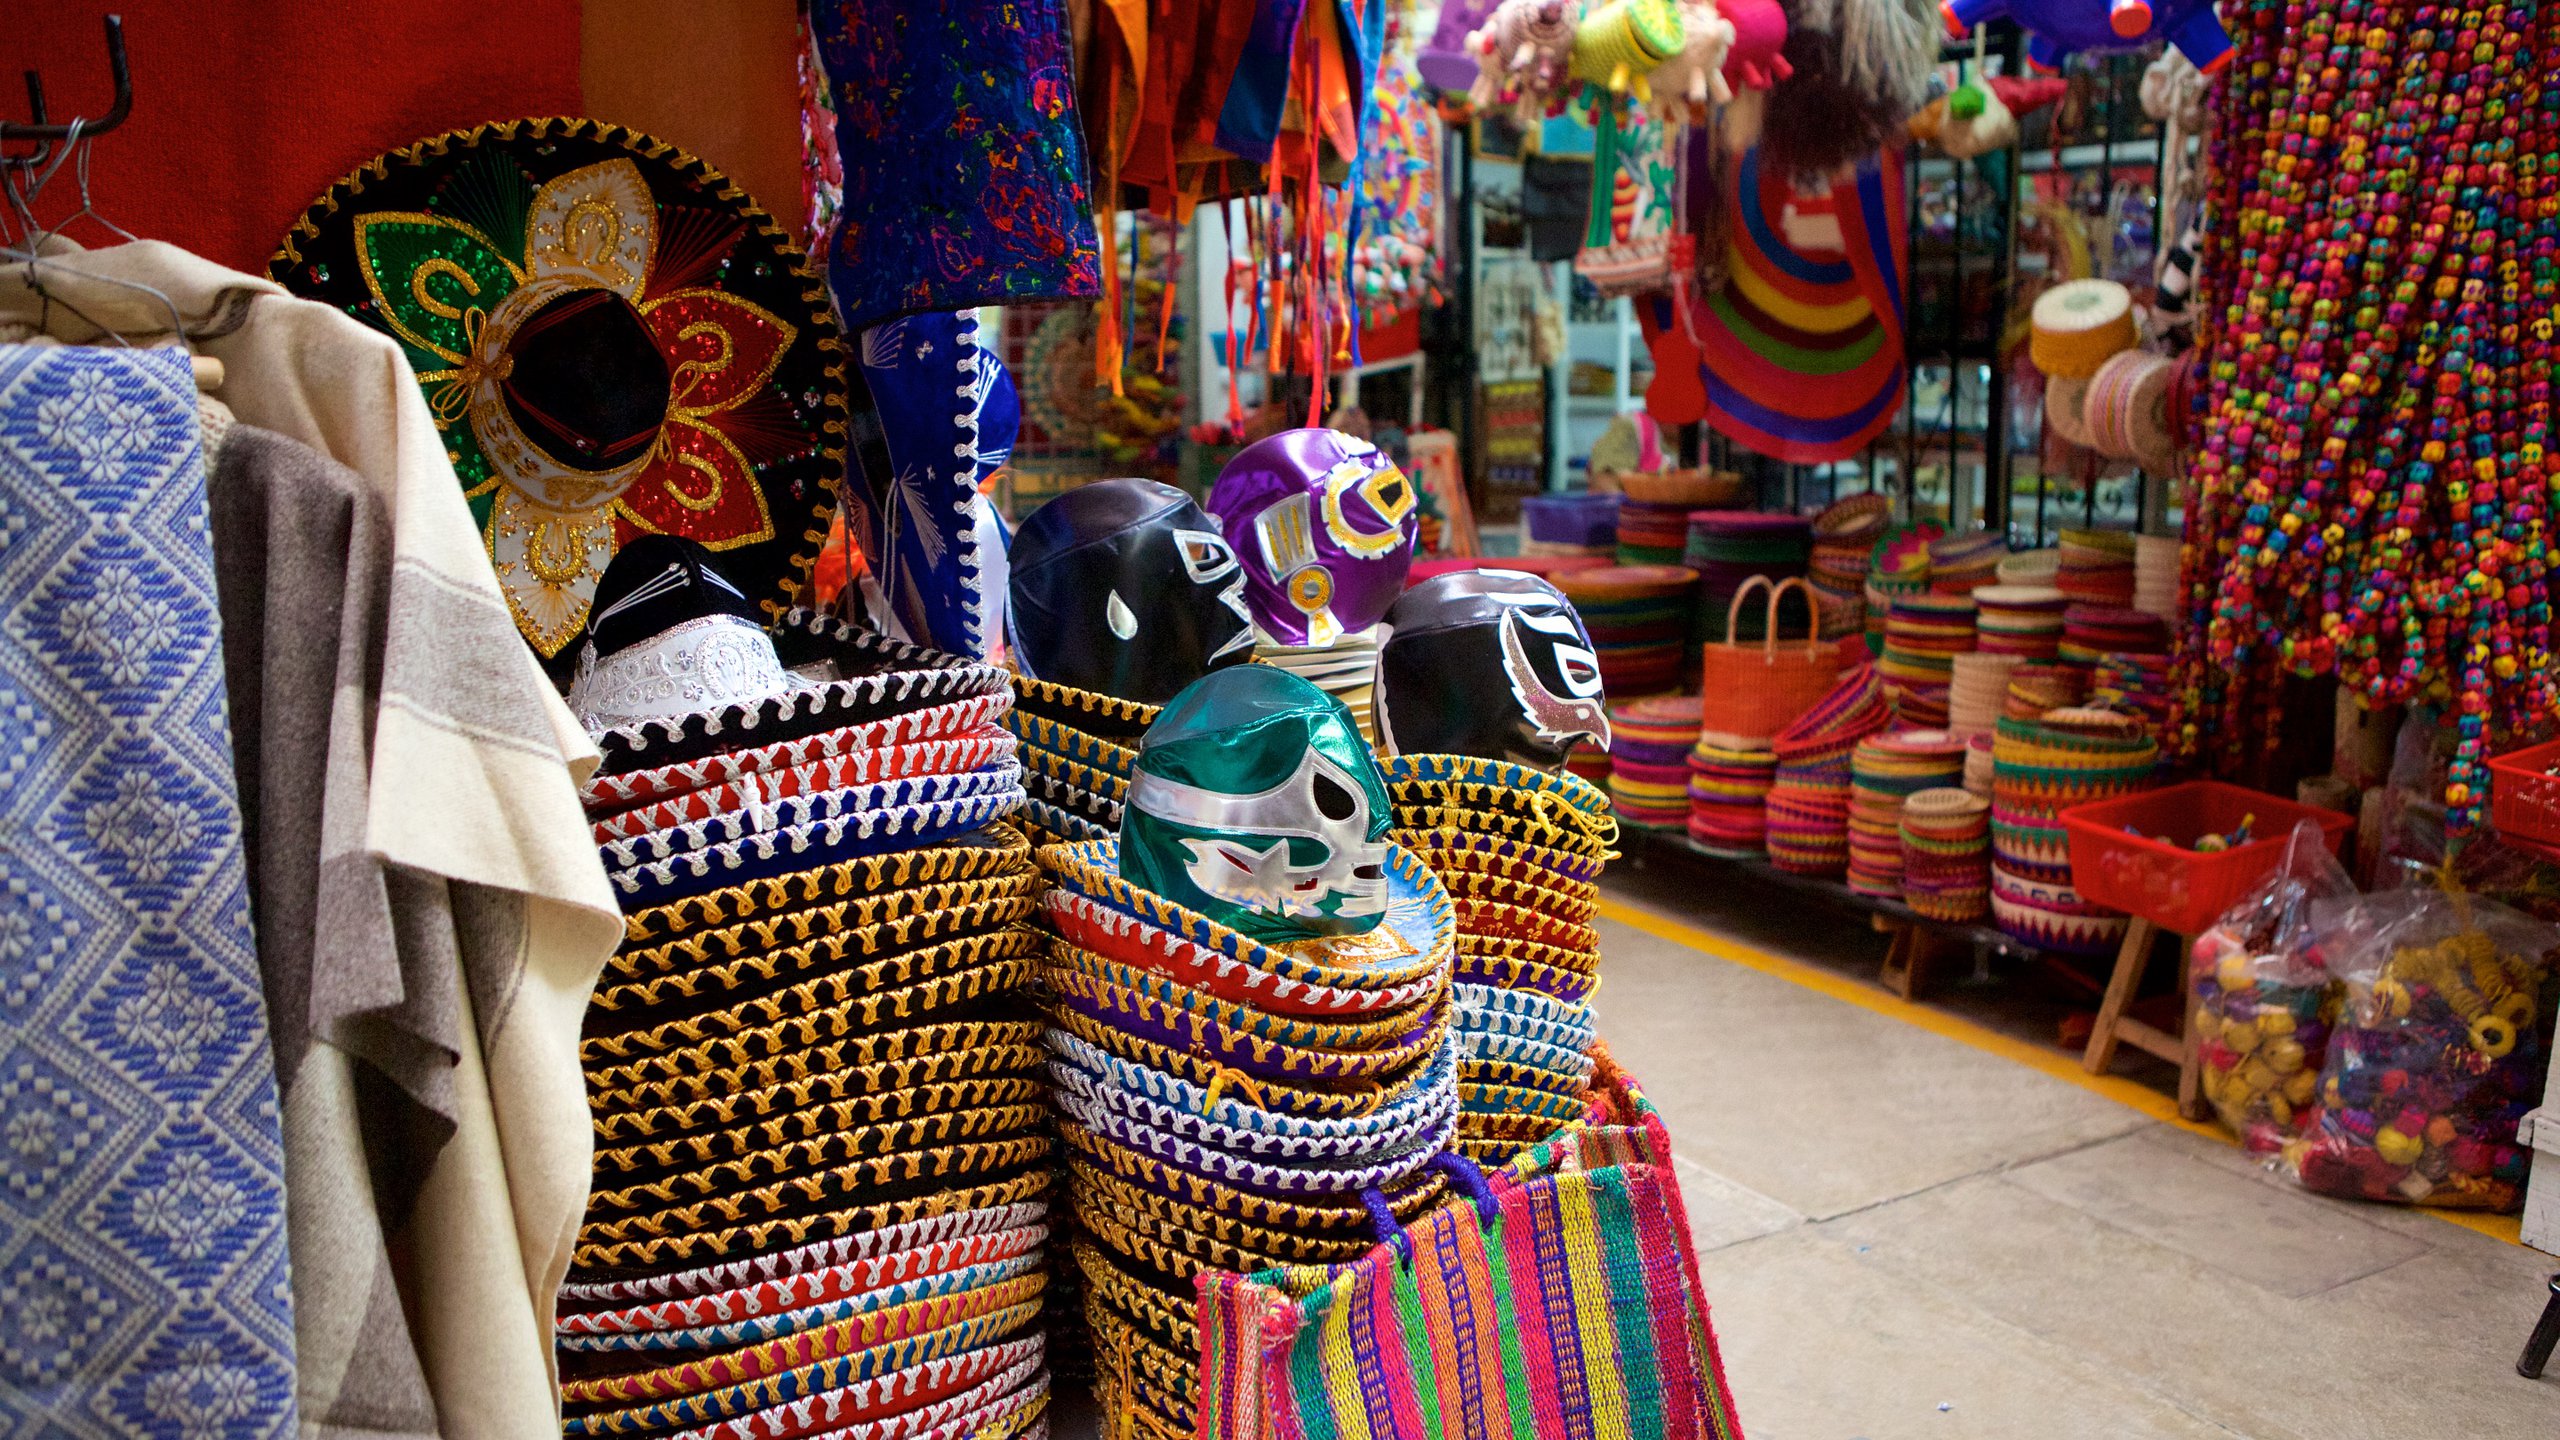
{"points": [[614, 341]]}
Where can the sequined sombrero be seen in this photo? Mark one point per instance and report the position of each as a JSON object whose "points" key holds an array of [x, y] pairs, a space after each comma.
{"points": [[613, 341]]}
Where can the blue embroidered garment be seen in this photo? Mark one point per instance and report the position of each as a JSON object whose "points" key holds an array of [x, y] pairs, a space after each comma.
{"points": [[948, 416], [143, 1286], [964, 168]]}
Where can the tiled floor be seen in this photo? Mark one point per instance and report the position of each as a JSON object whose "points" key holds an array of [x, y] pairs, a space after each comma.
{"points": [[1909, 1236]]}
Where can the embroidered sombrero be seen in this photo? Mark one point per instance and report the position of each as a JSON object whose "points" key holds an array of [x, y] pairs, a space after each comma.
{"points": [[614, 340], [794, 1049], [603, 1259], [973, 718], [865, 925], [891, 1088], [868, 677], [807, 1275], [1005, 1276], [995, 850]]}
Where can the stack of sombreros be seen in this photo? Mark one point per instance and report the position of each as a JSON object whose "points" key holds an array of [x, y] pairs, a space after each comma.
{"points": [[1729, 780], [2096, 567], [1977, 684], [1583, 522], [1946, 855], [2022, 620], [1653, 520], [1639, 618], [1120, 593], [1323, 524], [1250, 1037], [2030, 567], [1923, 635], [1897, 568], [1884, 770], [1808, 830], [1650, 741], [1844, 539], [1728, 547], [2089, 631], [2155, 576], [1961, 564], [1486, 686], [2136, 685], [2042, 767], [2037, 686], [821, 1151]]}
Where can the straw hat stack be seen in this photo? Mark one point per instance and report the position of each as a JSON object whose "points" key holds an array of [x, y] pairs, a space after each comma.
{"points": [[1729, 780], [1639, 617], [1844, 537], [1649, 746], [1923, 635], [2021, 620], [2036, 686], [2089, 631], [820, 1143], [1885, 770], [1946, 855], [1808, 830], [1977, 686], [2155, 576], [2097, 567], [2041, 768], [1961, 564], [1078, 749], [1728, 547], [2030, 567]]}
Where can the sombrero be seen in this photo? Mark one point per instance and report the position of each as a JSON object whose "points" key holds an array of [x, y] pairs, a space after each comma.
{"points": [[1303, 990], [794, 1049], [994, 850], [1409, 1110], [977, 1106], [806, 832], [1070, 965], [971, 717], [880, 1329], [867, 1385], [1110, 1209], [1492, 1010], [869, 924], [1002, 1275], [896, 1086], [1169, 1021], [1451, 850], [807, 1275], [870, 766], [871, 677], [950, 974], [1411, 940], [891, 953], [1213, 1164], [871, 1180], [1214, 1077], [606, 1260], [614, 341]]}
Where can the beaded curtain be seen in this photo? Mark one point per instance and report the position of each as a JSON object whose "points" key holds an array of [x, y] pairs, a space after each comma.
{"points": [[2372, 488]]}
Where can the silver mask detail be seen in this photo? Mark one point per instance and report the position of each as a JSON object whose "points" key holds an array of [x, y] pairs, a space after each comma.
{"points": [[1558, 718], [1234, 867]]}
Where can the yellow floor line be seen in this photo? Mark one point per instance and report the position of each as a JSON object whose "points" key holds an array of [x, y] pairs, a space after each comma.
{"points": [[2129, 1093]]}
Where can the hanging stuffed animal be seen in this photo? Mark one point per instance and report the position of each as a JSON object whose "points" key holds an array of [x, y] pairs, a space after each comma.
{"points": [[1861, 71], [2059, 29], [1754, 64], [1976, 121], [1620, 44], [1521, 57], [1691, 83]]}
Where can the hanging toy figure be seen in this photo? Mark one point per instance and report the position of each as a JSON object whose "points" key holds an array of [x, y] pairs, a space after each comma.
{"points": [[1256, 803], [1692, 82]]}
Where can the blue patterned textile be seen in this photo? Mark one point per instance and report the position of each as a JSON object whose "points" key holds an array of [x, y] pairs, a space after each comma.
{"points": [[948, 418], [143, 1288]]}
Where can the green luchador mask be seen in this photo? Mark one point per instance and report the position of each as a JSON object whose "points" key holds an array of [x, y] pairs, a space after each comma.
{"points": [[1257, 803]]}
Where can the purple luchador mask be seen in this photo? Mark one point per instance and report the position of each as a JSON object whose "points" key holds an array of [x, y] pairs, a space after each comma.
{"points": [[1324, 524]]}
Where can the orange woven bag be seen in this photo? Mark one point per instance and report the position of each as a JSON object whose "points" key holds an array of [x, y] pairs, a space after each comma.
{"points": [[1755, 690]]}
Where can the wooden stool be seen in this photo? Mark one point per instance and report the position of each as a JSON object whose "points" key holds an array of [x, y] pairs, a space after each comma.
{"points": [[1916, 947], [2114, 1026]]}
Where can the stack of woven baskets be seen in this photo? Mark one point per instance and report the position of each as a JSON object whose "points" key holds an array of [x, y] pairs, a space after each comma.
{"points": [[1809, 796], [1519, 853], [1946, 855], [1649, 745], [1640, 618], [1728, 547], [1962, 564], [1922, 637], [820, 1143], [2021, 620], [1885, 770], [1729, 780], [2096, 567], [2041, 768], [1232, 1105], [1844, 536]]}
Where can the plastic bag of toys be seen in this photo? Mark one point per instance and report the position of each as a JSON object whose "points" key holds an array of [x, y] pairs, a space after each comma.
{"points": [[2264, 1000], [2436, 1053]]}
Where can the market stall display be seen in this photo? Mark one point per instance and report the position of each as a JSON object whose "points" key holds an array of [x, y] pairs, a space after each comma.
{"points": [[1885, 771], [1639, 617], [1729, 781], [1946, 854], [1808, 830], [2041, 768], [1649, 759]]}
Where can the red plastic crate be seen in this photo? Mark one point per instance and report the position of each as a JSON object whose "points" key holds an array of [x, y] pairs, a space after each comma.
{"points": [[2524, 802], [2181, 890]]}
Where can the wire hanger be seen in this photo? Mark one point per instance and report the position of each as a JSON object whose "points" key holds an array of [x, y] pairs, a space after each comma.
{"points": [[23, 178]]}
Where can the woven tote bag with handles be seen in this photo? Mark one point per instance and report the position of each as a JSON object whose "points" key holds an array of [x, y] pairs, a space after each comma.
{"points": [[1758, 689], [1560, 1297]]}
